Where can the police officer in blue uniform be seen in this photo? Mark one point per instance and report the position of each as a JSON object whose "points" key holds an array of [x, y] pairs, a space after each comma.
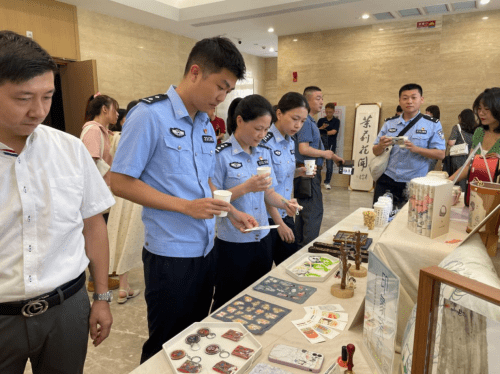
{"points": [[244, 258], [291, 113], [165, 162], [310, 147], [425, 143]]}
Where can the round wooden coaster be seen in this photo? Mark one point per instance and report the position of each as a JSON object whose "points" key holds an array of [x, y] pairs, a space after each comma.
{"points": [[340, 293], [361, 273]]}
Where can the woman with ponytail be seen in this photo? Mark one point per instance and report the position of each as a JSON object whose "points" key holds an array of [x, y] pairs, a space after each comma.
{"points": [[291, 113], [244, 258]]}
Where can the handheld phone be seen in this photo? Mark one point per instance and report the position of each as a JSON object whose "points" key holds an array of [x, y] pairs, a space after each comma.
{"points": [[297, 358]]}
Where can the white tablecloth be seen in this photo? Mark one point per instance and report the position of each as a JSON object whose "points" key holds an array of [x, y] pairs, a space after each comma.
{"points": [[284, 332], [406, 252]]}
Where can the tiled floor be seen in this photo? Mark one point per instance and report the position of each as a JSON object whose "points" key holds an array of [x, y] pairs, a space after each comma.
{"points": [[120, 353]]}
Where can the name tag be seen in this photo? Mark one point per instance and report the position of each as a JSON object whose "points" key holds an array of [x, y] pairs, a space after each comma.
{"points": [[208, 139], [392, 130], [236, 165], [262, 162], [422, 131]]}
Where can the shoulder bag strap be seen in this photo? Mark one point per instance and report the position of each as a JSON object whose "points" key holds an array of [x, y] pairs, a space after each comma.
{"points": [[410, 125], [460, 131]]}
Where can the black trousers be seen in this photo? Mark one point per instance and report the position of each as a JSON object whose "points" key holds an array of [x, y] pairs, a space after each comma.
{"points": [[385, 183], [238, 266], [55, 341], [308, 222], [281, 249], [178, 292]]}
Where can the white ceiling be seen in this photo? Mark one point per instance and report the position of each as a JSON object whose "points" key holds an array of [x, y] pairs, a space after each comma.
{"points": [[248, 20]]}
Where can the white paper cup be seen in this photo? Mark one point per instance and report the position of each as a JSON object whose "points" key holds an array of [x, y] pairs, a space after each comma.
{"points": [[263, 170], [309, 166], [224, 196]]}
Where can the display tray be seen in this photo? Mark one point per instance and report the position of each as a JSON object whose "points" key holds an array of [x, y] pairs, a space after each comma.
{"points": [[334, 249], [207, 363], [313, 267], [348, 237]]}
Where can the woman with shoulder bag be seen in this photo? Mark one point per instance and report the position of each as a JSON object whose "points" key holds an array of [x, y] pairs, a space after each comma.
{"points": [[461, 135]]}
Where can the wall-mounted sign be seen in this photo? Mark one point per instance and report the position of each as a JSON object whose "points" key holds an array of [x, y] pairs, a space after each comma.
{"points": [[426, 24]]}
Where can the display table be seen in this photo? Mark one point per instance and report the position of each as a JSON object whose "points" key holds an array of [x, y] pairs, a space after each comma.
{"points": [[286, 333], [406, 252]]}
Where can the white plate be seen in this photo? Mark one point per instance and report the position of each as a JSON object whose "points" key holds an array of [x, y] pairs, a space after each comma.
{"points": [[208, 361], [322, 276]]}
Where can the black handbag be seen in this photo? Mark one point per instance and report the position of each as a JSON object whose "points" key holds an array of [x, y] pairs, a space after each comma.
{"points": [[302, 188]]}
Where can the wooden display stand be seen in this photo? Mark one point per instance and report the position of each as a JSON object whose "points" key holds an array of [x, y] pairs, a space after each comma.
{"points": [[358, 271], [340, 290]]}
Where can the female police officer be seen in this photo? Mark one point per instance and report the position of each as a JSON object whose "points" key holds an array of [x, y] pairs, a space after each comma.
{"points": [[244, 258]]}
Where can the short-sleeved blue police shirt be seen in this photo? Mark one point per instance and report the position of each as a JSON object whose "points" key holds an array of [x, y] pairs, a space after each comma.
{"points": [[234, 166], [283, 161], [405, 165], [309, 133], [161, 146]]}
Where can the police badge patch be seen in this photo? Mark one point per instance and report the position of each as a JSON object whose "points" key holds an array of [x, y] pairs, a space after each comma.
{"points": [[236, 165], [177, 132], [440, 133], [262, 162], [208, 139], [277, 152], [392, 130]]}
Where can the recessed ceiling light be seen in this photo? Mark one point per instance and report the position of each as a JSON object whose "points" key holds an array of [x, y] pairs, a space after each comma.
{"points": [[484, 2], [270, 29], [295, 40], [380, 29], [271, 49], [365, 16], [485, 17]]}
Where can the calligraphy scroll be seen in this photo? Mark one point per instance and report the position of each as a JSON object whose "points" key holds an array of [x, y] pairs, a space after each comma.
{"points": [[365, 133], [381, 313]]}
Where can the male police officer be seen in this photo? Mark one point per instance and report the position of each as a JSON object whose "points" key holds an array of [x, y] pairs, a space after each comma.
{"points": [[425, 142], [164, 162]]}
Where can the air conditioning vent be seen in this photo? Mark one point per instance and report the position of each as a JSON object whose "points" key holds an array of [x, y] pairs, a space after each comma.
{"points": [[436, 9], [409, 12], [384, 16], [464, 5]]}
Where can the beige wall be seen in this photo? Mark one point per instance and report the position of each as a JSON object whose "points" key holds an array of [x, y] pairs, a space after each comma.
{"points": [[126, 71], [271, 80], [453, 62], [52, 23]]}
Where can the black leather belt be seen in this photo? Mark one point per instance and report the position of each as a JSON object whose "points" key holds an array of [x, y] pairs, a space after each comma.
{"points": [[39, 305]]}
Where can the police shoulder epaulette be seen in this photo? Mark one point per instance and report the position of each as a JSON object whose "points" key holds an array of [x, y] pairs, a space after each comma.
{"points": [[435, 120], [264, 146], [154, 99], [221, 146], [390, 118], [268, 137]]}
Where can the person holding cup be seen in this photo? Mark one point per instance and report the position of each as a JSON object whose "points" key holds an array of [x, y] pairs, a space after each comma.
{"points": [[244, 258], [291, 113]]}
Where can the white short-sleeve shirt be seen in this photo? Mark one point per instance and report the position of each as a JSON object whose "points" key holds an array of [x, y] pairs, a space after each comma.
{"points": [[45, 194]]}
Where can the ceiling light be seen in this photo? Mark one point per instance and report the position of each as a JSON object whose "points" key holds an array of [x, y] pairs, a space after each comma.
{"points": [[271, 49], [380, 29], [484, 2], [485, 17], [295, 40], [365, 16], [270, 29]]}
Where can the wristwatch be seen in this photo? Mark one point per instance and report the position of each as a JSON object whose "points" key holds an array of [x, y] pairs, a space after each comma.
{"points": [[108, 296]]}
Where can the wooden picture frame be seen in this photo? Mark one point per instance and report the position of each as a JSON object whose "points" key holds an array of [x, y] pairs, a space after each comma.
{"points": [[429, 287]]}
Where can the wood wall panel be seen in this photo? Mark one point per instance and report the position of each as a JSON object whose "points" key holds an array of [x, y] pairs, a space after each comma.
{"points": [[454, 62], [54, 24]]}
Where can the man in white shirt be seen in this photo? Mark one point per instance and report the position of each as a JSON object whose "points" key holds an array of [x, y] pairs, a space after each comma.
{"points": [[51, 197]]}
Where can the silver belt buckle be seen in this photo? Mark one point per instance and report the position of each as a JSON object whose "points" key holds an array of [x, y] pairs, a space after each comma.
{"points": [[35, 308]]}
